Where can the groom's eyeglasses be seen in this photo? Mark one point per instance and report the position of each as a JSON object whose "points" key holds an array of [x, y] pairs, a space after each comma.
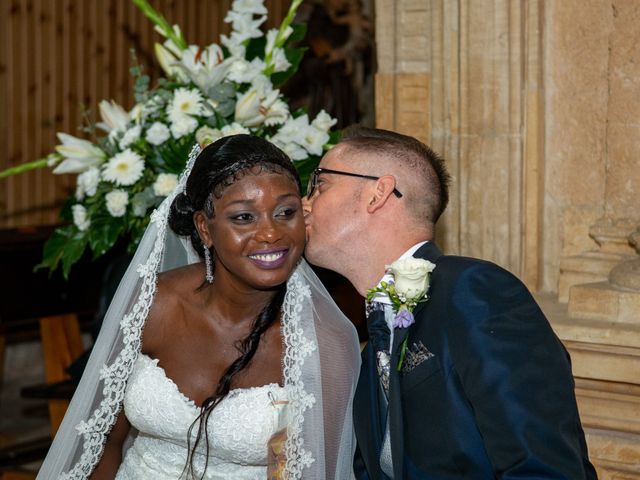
{"points": [[313, 179]]}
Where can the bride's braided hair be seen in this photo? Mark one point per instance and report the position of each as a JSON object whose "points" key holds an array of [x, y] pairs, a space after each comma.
{"points": [[218, 166]]}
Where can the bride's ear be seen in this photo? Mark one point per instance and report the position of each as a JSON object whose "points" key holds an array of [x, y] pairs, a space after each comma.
{"points": [[201, 223]]}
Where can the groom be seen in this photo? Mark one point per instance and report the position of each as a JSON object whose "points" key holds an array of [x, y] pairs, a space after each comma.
{"points": [[479, 387]]}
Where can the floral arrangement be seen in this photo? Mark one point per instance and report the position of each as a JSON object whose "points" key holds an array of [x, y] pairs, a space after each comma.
{"points": [[410, 286], [208, 93]]}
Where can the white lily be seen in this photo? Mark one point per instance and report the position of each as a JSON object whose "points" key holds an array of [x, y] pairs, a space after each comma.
{"points": [[168, 61], [114, 117], [205, 66], [248, 109], [169, 43], [79, 155]]}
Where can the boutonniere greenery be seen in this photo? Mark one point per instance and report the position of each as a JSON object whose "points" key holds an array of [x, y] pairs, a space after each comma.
{"points": [[409, 287]]}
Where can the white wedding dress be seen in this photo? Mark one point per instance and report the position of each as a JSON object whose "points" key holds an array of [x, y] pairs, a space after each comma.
{"points": [[239, 428]]}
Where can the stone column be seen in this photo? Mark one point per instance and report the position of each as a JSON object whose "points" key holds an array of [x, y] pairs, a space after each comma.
{"points": [[467, 78], [536, 107]]}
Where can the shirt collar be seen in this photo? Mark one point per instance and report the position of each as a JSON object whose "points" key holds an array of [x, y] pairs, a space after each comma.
{"points": [[383, 298]]}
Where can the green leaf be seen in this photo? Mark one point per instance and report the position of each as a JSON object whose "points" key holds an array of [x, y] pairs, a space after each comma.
{"points": [[299, 32], [294, 55], [54, 248], [103, 234], [73, 251], [255, 48]]}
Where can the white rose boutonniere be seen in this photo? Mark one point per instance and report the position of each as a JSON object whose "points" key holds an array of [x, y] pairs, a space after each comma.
{"points": [[410, 286]]}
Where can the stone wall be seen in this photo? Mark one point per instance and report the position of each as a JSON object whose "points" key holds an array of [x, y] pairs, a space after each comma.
{"points": [[536, 107]]}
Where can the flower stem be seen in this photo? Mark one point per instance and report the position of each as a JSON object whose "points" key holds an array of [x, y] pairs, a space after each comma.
{"points": [[161, 22], [25, 167], [280, 38], [403, 352]]}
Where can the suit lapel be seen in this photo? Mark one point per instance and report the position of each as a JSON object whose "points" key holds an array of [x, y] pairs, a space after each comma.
{"points": [[429, 251], [368, 415]]}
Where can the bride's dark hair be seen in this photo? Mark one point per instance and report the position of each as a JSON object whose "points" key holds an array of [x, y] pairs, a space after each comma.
{"points": [[218, 166]]}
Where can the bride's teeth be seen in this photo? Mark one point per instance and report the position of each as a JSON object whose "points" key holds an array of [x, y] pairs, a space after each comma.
{"points": [[268, 257]]}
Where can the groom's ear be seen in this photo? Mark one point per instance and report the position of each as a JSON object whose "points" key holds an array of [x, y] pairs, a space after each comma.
{"points": [[380, 192]]}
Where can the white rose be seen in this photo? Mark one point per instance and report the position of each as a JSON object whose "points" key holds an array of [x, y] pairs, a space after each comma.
{"points": [[130, 136], [88, 183], [207, 135], [80, 217], [157, 134], [183, 125], [117, 201], [164, 184], [411, 277]]}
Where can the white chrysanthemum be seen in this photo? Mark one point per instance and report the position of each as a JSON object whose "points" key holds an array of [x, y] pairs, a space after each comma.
{"points": [[164, 184], [158, 133], [130, 136], [182, 125], [207, 135], [323, 121], [125, 168], [249, 6], [80, 217], [87, 183], [185, 102], [117, 201]]}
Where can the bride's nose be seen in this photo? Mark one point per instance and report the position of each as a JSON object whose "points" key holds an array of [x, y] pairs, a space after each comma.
{"points": [[267, 231]]}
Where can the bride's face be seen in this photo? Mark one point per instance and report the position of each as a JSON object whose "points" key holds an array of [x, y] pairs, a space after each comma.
{"points": [[257, 230]]}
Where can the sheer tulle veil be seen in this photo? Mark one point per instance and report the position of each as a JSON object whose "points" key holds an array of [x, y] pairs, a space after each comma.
{"points": [[320, 366]]}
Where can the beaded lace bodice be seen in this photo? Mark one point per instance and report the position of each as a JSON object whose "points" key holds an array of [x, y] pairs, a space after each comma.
{"points": [[239, 428]]}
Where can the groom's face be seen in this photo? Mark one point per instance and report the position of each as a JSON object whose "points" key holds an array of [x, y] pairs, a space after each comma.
{"points": [[332, 213]]}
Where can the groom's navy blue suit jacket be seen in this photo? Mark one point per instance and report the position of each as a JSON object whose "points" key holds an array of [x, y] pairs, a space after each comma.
{"points": [[496, 399]]}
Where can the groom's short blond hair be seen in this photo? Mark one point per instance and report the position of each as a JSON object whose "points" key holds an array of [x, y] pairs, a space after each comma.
{"points": [[430, 194]]}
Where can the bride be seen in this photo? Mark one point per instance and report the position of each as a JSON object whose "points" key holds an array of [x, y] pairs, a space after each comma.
{"points": [[239, 366]]}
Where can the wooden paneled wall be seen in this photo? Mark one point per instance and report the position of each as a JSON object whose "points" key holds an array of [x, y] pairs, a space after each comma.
{"points": [[59, 58]]}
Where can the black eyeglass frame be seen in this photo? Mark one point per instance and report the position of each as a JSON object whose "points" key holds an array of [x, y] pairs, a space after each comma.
{"points": [[313, 179]]}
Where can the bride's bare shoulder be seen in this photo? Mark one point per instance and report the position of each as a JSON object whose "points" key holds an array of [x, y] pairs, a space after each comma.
{"points": [[174, 291]]}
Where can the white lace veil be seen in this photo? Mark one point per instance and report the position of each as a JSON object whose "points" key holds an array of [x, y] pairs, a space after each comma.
{"points": [[321, 365]]}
